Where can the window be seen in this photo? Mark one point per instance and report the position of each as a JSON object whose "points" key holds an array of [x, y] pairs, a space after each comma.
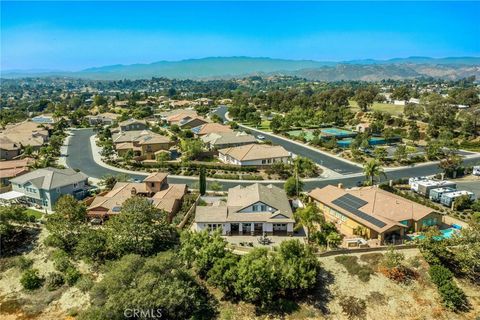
{"points": [[263, 207], [264, 161], [255, 208]]}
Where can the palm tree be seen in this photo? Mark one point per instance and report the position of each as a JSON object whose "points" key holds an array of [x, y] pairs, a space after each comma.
{"points": [[333, 239], [371, 170], [309, 217]]}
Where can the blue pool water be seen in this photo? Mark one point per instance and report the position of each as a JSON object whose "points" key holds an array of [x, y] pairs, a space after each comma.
{"points": [[445, 234]]}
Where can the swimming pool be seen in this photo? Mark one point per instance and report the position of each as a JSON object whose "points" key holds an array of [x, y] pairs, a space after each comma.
{"points": [[445, 234]]}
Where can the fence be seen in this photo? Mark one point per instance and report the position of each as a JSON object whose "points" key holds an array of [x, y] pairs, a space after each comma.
{"points": [[360, 250], [189, 213]]}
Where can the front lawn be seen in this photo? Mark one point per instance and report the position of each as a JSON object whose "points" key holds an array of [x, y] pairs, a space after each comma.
{"points": [[392, 109], [34, 213]]}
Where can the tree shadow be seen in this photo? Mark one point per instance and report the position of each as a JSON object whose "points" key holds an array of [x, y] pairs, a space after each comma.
{"points": [[18, 242], [321, 295]]}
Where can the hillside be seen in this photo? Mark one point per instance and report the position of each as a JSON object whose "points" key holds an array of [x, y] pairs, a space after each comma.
{"points": [[229, 67]]}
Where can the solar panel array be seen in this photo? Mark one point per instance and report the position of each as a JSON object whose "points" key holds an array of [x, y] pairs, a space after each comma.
{"points": [[352, 204]]}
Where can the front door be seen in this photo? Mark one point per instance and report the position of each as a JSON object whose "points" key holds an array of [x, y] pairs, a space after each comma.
{"points": [[258, 228], [234, 228]]}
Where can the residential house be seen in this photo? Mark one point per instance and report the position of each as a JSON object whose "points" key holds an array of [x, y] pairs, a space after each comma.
{"points": [[17, 136], [372, 213], [254, 155], [191, 122], [44, 118], [175, 116], [133, 125], [143, 143], [106, 118], [43, 187], [210, 127], [11, 169], [164, 196], [250, 210], [221, 140], [9, 149]]}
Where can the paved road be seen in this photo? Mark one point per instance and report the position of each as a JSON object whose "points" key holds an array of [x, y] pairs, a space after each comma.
{"points": [[332, 163], [80, 157]]}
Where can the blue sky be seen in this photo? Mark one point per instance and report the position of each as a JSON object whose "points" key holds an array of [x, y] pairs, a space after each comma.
{"points": [[78, 35]]}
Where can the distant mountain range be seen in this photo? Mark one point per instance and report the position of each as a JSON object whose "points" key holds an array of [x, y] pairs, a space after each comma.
{"points": [[234, 67]]}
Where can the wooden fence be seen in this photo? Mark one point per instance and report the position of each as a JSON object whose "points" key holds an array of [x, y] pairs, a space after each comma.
{"points": [[189, 213]]}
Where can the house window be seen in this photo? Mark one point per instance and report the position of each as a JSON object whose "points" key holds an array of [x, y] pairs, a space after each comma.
{"points": [[264, 161], [254, 208], [263, 207], [404, 222]]}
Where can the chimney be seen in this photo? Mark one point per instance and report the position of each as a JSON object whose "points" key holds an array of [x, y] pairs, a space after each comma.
{"points": [[340, 185], [390, 183]]}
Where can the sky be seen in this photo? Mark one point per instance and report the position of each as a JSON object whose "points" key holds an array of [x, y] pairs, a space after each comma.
{"points": [[73, 36]]}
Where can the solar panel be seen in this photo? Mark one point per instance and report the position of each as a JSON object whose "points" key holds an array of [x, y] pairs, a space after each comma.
{"points": [[352, 203]]}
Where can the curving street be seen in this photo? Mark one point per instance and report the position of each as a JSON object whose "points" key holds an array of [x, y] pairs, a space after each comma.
{"points": [[80, 157]]}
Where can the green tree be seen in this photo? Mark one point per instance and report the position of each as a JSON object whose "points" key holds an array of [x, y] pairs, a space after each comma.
{"points": [[109, 181], [413, 131], [380, 153], [400, 153], [92, 246], [372, 169], [450, 164], [67, 223], [201, 250], [257, 277], [309, 217], [223, 273], [293, 186], [191, 148], [298, 266], [365, 97], [158, 283], [140, 228], [202, 181], [163, 157]]}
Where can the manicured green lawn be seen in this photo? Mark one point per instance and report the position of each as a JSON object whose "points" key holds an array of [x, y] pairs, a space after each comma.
{"points": [[265, 126], [35, 213], [384, 107]]}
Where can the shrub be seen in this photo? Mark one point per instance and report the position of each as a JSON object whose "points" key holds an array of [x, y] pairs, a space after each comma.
{"points": [[354, 268], [31, 280], [453, 297], [354, 308], [440, 275], [54, 281], [72, 275], [23, 263], [61, 262], [373, 259], [400, 274], [85, 283]]}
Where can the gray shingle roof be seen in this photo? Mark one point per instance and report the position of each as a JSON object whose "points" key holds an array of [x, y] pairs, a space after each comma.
{"points": [[50, 178]]}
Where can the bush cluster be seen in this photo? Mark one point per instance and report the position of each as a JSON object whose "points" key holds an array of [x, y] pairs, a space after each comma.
{"points": [[452, 296], [31, 280], [354, 268]]}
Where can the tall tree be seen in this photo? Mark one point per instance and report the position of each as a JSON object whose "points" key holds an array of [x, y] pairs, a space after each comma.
{"points": [[202, 181], [140, 228], [372, 169], [309, 217]]}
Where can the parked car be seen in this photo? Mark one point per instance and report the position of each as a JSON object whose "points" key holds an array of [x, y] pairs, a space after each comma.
{"points": [[260, 137]]}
